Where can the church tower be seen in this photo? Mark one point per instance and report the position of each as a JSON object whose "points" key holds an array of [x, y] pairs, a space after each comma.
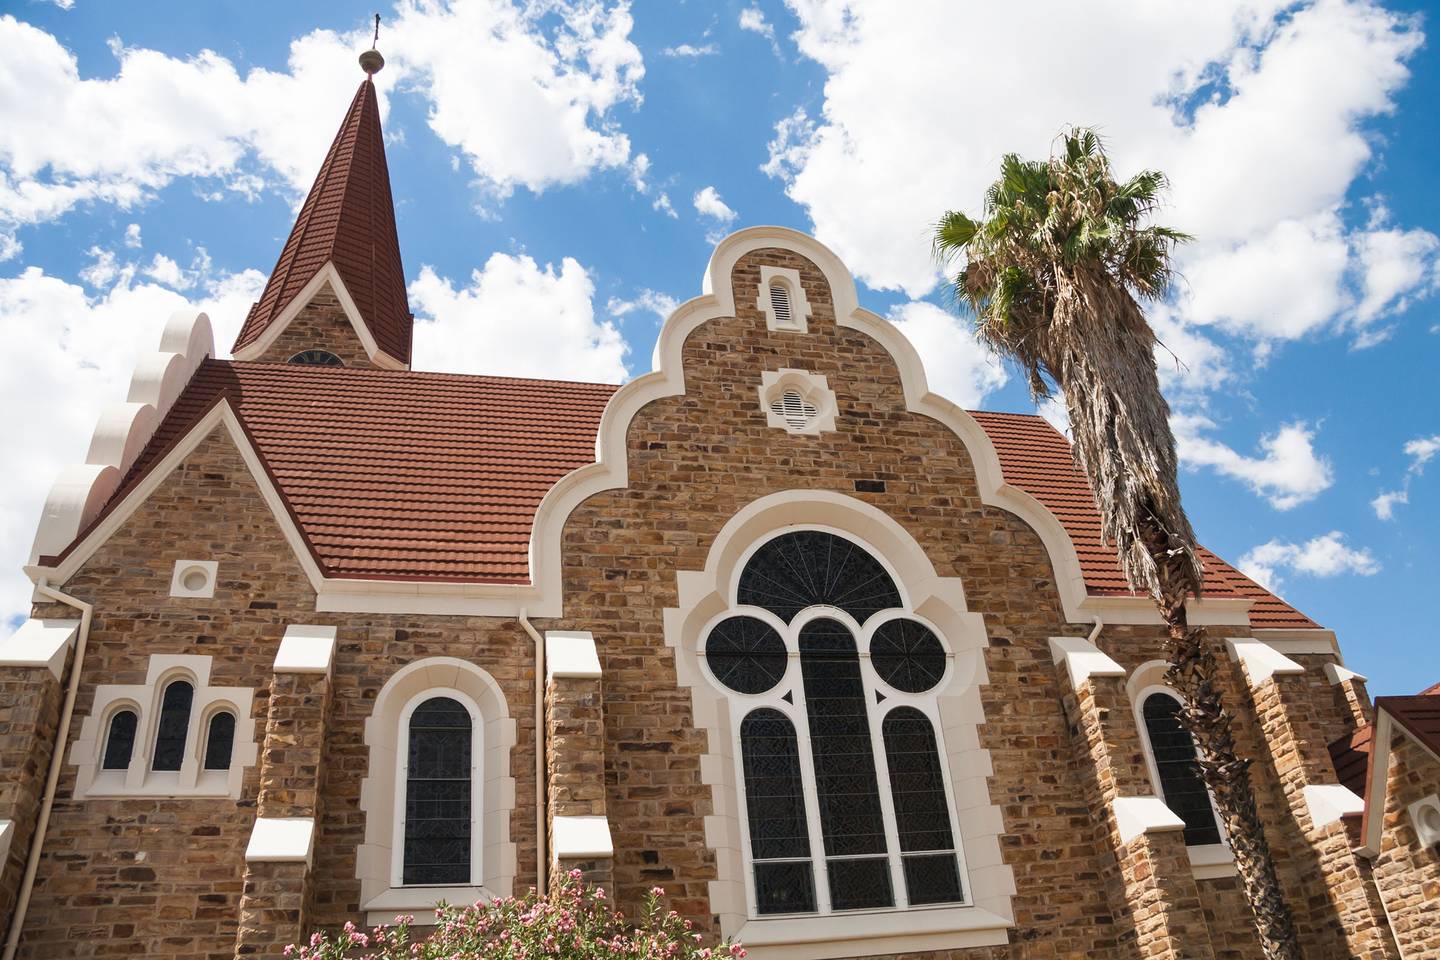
{"points": [[337, 293]]}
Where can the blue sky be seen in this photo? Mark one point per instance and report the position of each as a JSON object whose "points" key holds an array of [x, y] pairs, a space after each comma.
{"points": [[561, 171]]}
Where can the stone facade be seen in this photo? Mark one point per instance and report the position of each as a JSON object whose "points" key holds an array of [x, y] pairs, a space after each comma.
{"points": [[1407, 871], [168, 877], [320, 325]]}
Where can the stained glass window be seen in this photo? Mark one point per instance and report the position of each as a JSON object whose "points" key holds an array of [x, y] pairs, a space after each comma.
{"points": [[746, 654], [1181, 782], [775, 804], [220, 741], [922, 813], [173, 727], [907, 655], [319, 358], [808, 567], [120, 744], [438, 794], [852, 822]]}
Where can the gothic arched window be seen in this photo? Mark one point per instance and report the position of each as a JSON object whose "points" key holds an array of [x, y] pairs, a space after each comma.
{"points": [[120, 741], [220, 741], [439, 791], [1182, 786], [174, 726], [832, 683]]}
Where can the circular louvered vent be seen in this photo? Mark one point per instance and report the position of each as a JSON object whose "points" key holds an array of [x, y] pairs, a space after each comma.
{"points": [[797, 412]]}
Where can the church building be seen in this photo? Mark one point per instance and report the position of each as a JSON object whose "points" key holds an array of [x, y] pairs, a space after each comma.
{"points": [[844, 668]]}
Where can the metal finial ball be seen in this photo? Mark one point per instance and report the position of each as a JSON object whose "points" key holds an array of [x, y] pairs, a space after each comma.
{"points": [[371, 62]]}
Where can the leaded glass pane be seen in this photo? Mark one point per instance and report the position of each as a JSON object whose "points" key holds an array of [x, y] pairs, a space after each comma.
{"points": [[907, 655], [120, 744], [1180, 779], [784, 886], [220, 741], [174, 724], [932, 878], [922, 815], [808, 567], [437, 794], [746, 654], [860, 884], [774, 798]]}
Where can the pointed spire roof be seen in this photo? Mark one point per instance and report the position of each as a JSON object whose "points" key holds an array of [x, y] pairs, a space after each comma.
{"points": [[347, 220]]}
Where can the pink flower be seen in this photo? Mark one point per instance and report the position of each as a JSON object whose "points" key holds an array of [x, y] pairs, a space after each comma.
{"points": [[657, 891]]}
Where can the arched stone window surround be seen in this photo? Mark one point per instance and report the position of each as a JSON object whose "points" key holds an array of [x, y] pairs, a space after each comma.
{"points": [[107, 725], [139, 780], [378, 861], [202, 742], [789, 280], [708, 595], [1148, 679]]}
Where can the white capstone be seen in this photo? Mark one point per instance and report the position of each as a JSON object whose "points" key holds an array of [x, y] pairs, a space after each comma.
{"points": [[570, 653], [121, 434], [281, 840], [1083, 659], [39, 643], [306, 648], [1337, 674], [1137, 815], [76, 498], [1329, 802], [1261, 661], [577, 837]]}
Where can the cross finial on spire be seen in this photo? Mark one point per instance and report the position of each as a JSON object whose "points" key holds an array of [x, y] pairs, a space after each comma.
{"points": [[371, 61]]}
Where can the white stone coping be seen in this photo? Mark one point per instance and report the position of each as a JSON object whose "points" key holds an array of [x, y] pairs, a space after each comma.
{"points": [[872, 933], [1328, 802], [1210, 861], [281, 840], [575, 837], [306, 648], [7, 834], [1137, 815], [1259, 660], [1337, 674], [39, 643], [420, 903], [1083, 659], [570, 653]]}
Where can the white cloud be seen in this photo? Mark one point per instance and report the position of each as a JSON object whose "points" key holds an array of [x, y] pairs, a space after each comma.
{"points": [[662, 205], [690, 51], [1238, 100], [1322, 556], [1421, 451], [515, 318], [64, 341], [753, 20], [167, 272], [647, 300], [1287, 472], [957, 365], [132, 236], [708, 204]]}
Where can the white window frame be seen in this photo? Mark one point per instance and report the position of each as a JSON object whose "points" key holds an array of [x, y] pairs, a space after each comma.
{"points": [[1207, 861], [800, 310], [139, 780], [477, 786]]}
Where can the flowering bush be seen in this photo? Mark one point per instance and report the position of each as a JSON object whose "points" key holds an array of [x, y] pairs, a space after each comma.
{"points": [[574, 922]]}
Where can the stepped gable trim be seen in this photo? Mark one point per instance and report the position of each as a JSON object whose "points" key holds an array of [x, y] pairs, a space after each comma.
{"points": [[1418, 717], [219, 414], [327, 274]]}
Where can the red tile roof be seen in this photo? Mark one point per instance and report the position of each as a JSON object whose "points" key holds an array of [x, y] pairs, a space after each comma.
{"points": [[1037, 459], [398, 474], [1350, 756], [1419, 715], [348, 218]]}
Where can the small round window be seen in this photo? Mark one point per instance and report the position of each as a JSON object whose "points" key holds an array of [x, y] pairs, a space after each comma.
{"points": [[907, 655], [746, 654]]}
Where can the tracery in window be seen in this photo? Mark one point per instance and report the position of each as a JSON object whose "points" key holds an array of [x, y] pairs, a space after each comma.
{"points": [[120, 741], [844, 789], [220, 741], [1182, 786], [319, 358], [438, 786], [173, 727]]}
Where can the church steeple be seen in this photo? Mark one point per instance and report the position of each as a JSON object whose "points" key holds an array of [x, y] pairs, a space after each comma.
{"points": [[342, 260]]}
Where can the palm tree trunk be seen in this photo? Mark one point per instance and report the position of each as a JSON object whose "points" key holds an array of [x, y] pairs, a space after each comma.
{"points": [[1192, 672]]}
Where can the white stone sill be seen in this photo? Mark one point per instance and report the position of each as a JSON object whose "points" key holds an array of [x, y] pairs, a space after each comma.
{"points": [[110, 785], [419, 902], [1212, 861], [866, 933]]}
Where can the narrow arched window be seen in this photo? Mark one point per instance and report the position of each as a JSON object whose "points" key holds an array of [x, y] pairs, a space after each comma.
{"points": [[174, 726], [1182, 786], [780, 303], [438, 786], [922, 815], [220, 741], [775, 806], [120, 741]]}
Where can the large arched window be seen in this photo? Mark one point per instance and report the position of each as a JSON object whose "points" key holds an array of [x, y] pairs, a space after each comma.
{"points": [[440, 832], [1177, 768], [832, 684], [174, 726]]}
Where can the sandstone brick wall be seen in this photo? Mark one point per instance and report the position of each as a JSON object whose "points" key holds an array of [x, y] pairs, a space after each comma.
{"points": [[320, 325], [1409, 875], [30, 700]]}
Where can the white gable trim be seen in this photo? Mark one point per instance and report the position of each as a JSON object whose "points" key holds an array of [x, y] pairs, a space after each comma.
{"points": [[221, 415], [1377, 784], [326, 274]]}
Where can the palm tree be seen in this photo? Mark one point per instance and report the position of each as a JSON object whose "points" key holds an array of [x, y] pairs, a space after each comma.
{"points": [[1053, 272]]}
